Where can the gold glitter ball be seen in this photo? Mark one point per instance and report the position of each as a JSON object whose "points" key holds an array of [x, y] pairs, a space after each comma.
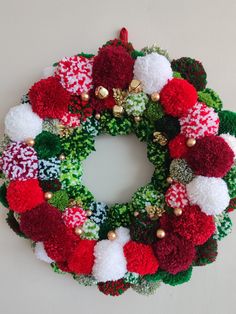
{"points": [[191, 142], [111, 235], [48, 195], [160, 233], [84, 96], [155, 96], [30, 142]]}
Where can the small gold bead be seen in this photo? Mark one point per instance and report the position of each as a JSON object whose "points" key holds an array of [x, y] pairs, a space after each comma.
{"points": [[62, 157], [155, 96], [137, 119], [135, 86], [84, 96], [169, 180], [136, 214], [111, 235], [191, 142], [101, 92], [78, 231], [97, 116], [160, 233], [118, 111], [48, 195], [178, 211], [30, 142], [89, 213]]}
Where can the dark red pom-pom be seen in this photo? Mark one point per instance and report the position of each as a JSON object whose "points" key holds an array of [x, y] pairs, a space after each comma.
{"points": [[174, 254], [42, 222], [177, 146], [140, 258], [194, 225], [112, 68], [49, 99], [82, 260], [99, 105], [24, 195], [177, 97], [211, 157], [114, 288]]}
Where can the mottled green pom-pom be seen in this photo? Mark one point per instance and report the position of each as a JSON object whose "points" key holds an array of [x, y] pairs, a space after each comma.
{"points": [[84, 280], [91, 126], [223, 226], [158, 155], [132, 278], [230, 179], [90, 230], [159, 179], [47, 145], [227, 122], [210, 98], [3, 195], [135, 54], [51, 125], [119, 215], [206, 253], [146, 288], [178, 279], [80, 193], [155, 48], [115, 126], [176, 74], [135, 104], [180, 171], [60, 199], [144, 130], [71, 172], [153, 111]]}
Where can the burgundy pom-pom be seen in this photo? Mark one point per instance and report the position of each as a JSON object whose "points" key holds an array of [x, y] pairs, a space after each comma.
{"points": [[177, 146], [177, 97], [211, 157], [114, 288]]}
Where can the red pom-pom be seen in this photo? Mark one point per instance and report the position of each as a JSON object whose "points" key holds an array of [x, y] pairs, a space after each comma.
{"points": [[194, 225], [114, 288], [211, 157], [177, 97], [174, 254], [112, 68], [24, 195], [42, 222], [102, 104], [140, 258], [49, 99], [176, 196], [82, 260], [177, 146]]}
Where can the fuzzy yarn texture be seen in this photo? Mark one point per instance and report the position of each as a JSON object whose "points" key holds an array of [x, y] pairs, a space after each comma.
{"points": [[99, 212], [90, 230], [112, 68], [200, 121], [174, 253], [135, 104], [177, 97], [223, 226], [19, 162], [49, 169], [153, 70], [231, 141], [47, 145], [140, 258], [227, 122], [142, 229], [209, 97], [146, 288], [210, 194], [206, 253], [177, 146], [211, 157], [176, 196], [114, 287], [168, 125], [180, 171], [24, 195], [178, 279], [60, 199], [230, 179], [21, 123], [41, 254], [194, 225], [48, 98], [74, 217], [75, 74]]}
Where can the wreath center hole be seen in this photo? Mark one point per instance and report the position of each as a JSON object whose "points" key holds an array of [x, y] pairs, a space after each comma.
{"points": [[117, 168]]}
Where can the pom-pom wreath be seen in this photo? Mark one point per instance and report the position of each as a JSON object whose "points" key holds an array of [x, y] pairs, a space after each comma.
{"points": [[169, 126], [194, 225], [140, 258], [231, 141], [75, 74], [42, 222], [41, 254], [177, 97], [24, 195], [209, 97], [153, 70], [47, 145], [178, 147], [223, 226], [191, 70], [174, 253], [48, 98], [74, 217], [49, 169], [176, 196], [227, 122], [21, 123], [82, 259], [210, 157], [135, 104], [180, 171], [19, 162], [206, 253], [113, 288], [99, 212], [112, 68], [200, 121], [210, 194]]}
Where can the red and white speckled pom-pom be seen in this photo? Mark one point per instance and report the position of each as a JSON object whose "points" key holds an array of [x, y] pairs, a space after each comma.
{"points": [[71, 120], [200, 121], [19, 162], [75, 74], [176, 196], [74, 217]]}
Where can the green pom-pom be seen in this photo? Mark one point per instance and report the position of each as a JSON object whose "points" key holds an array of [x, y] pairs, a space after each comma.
{"points": [[47, 145], [178, 279], [144, 130], [84, 280], [227, 122], [223, 226], [91, 126], [104, 229], [90, 230], [51, 125], [81, 194], [71, 172], [135, 104], [119, 215], [14, 224], [230, 179], [210, 98], [153, 111], [176, 74], [60, 200], [85, 55], [157, 49], [145, 287], [135, 54], [155, 277], [132, 278], [114, 288], [180, 171], [56, 269], [3, 195], [159, 179], [158, 155], [206, 253], [115, 126]]}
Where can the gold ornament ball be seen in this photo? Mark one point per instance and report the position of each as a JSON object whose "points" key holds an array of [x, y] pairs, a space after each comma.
{"points": [[155, 96], [111, 235], [78, 231], [191, 142], [137, 119], [169, 180], [101, 92], [85, 96], [136, 213], [178, 211], [30, 142], [135, 86], [118, 111], [62, 157], [160, 233], [89, 213], [97, 116], [48, 195]]}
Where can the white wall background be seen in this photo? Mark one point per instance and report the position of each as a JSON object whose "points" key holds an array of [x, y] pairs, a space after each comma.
{"points": [[34, 34]]}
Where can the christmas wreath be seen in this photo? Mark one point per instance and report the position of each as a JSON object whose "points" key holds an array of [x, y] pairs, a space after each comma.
{"points": [[172, 224]]}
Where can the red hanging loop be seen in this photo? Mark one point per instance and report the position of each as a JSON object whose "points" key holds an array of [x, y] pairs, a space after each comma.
{"points": [[124, 35]]}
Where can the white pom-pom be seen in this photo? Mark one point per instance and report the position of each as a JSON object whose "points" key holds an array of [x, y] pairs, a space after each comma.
{"points": [[110, 262], [41, 254], [231, 141], [122, 235], [153, 70], [22, 123], [48, 71], [210, 194]]}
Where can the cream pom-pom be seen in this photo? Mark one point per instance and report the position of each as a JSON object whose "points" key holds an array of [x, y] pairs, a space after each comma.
{"points": [[22, 123], [231, 141], [48, 71], [41, 254], [122, 235], [153, 70], [210, 194], [110, 262]]}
